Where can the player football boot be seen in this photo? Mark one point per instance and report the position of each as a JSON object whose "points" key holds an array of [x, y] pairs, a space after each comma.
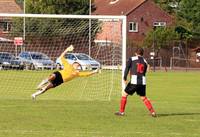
{"points": [[119, 113], [153, 114]]}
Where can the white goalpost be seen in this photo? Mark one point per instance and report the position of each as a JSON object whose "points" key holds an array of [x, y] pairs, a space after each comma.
{"points": [[99, 42]]}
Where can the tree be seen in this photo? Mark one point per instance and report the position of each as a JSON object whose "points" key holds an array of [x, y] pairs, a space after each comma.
{"points": [[42, 27], [170, 6], [189, 10], [160, 36], [57, 7], [187, 15]]}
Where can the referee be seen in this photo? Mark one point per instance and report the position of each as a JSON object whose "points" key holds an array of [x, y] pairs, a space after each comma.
{"points": [[137, 66]]}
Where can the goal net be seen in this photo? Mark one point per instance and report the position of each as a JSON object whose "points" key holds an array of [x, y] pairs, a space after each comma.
{"points": [[30, 45], [177, 63]]}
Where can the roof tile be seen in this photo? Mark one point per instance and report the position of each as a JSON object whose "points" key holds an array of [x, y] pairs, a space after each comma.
{"points": [[120, 7], [9, 6]]}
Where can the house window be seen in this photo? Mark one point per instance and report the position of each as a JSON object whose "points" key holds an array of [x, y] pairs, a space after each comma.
{"points": [[5, 26], [133, 27], [159, 24]]}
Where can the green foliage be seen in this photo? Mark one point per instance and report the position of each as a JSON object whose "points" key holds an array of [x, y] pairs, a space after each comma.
{"points": [[17, 27], [189, 10], [41, 27], [183, 32], [170, 6], [55, 27], [186, 11], [57, 6], [160, 36]]}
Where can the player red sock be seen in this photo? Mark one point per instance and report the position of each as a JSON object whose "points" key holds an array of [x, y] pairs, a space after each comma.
{"points": [[148, 104], [123, 103]]}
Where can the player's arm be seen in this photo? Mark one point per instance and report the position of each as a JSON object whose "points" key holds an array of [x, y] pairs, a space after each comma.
{"points": [[63, 60], [147, 67], [70, 48], [88, 73], [126, 71]]}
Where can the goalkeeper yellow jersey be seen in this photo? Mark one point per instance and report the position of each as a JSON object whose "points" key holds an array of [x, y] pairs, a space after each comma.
{"points": [[68, 72]]}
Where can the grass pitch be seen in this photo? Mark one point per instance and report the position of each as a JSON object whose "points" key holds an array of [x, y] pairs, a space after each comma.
{"points": [[175, 96]]}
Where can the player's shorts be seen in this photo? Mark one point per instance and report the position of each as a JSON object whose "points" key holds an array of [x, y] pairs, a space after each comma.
{"points": [[58, 80], [139, 89]]}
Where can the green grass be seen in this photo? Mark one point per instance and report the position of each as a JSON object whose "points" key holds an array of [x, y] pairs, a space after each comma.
{"points": [[78, 109]]}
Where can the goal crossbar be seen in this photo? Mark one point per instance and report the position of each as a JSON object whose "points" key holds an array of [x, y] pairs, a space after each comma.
{"points": [[63, 16]]}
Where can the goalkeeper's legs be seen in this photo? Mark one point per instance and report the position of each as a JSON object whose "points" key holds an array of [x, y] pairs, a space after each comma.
{"points": [[42, 90], [42, 84], [45, 81]]}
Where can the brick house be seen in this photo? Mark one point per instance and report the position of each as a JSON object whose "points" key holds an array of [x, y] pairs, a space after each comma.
{"points": [[7, 6], [142, 16]]}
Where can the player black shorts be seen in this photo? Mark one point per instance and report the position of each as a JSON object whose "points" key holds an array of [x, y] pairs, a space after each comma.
{"points": [[58, 80], [139, 89]]}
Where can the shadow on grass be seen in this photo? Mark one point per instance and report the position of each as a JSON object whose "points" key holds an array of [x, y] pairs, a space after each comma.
{"points": [[177, 114]]}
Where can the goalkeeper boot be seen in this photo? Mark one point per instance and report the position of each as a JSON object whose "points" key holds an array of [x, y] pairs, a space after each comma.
{"points": [[99, 70], [119, 113], [33, 96]]}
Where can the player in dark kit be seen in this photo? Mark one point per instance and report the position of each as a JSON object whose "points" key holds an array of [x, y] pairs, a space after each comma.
{"points": [[137, 66]]}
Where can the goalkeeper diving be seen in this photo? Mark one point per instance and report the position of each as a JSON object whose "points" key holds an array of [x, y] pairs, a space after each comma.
{"points": [[69, 72]]}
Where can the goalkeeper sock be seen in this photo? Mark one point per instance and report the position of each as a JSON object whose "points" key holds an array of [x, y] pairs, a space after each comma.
{"points": [[45, 81], [148, 105], [41, 91], [123, 104]]}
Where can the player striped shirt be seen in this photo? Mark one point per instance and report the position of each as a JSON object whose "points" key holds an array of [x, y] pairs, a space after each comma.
{"points": [[137, 66]]}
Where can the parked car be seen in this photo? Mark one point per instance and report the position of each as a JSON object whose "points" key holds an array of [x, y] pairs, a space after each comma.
{"points": [[36, 60], [86, 62], [9, 61]]}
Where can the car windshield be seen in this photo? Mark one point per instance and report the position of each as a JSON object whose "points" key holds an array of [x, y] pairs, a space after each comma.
{"points": [[6, 56], [39, 56], [83, 57]]}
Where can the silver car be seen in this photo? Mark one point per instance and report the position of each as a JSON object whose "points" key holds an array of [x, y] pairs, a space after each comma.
{"points": [[9, 61], [86, 62], [36, 60]]}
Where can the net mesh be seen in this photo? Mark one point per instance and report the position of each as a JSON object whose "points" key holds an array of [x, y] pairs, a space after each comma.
{"points": [[24, 66]]}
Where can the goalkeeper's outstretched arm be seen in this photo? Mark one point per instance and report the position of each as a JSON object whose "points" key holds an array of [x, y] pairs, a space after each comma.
{"points": [[68, 49], [89, 73], [63, 60]]}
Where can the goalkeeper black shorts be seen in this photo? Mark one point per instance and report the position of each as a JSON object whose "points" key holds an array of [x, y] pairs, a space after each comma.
{"points": [[58, 80], [139, 89]]}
